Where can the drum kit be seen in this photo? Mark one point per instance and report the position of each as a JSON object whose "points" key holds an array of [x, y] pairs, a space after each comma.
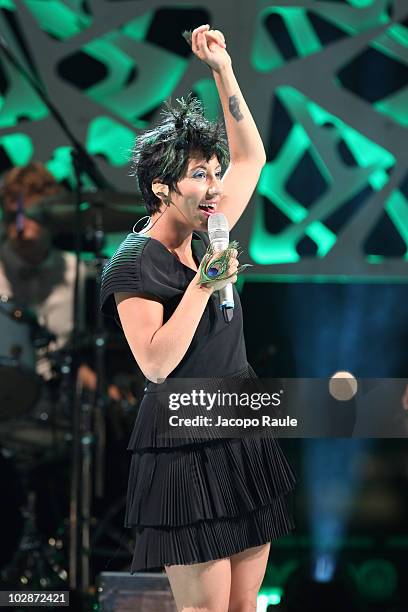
{"points": [[38, 435], [70, 424]]}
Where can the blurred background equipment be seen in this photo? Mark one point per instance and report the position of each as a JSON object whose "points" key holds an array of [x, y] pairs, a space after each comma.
{"points": [[19, 335], [119, 592]]}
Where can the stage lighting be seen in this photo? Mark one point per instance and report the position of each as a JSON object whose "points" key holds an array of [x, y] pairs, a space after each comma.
{"points": [[303, 593], [324, 568], [268, 597], [377, 579]]}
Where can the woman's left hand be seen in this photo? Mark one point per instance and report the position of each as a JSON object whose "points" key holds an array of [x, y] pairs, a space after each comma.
{"points": [[209, 46]]}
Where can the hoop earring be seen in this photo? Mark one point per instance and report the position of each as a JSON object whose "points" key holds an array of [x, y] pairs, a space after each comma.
{"points": [[148, 221], [137, 222]]}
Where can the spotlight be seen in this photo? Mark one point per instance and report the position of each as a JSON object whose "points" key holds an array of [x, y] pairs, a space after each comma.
{"points": [[324, 568], [343, 386]]}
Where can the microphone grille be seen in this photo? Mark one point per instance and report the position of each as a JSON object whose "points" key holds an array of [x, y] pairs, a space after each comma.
{"points": [[218, 226]]}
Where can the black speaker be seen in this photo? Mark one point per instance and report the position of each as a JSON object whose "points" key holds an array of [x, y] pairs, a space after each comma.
{"points": [[122, 592]]}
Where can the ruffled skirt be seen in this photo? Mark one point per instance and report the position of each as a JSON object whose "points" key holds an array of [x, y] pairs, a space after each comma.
{"points": [[193, 501]]}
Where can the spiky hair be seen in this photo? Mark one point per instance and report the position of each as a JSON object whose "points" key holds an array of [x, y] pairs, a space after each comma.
{"points": [[164, 152]]}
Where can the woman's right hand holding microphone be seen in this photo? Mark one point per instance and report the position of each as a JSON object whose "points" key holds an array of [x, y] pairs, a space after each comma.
{"points": [[230, 274]]}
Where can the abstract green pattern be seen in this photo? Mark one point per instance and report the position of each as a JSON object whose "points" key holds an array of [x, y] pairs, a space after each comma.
{"points": [[327, 82], [311, 125]]}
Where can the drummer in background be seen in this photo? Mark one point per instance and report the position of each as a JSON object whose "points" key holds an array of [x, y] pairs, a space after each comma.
{"points": [[34, 273]]}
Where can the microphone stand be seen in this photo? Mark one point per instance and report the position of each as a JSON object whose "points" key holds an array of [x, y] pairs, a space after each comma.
{"points": [[80, 498]]}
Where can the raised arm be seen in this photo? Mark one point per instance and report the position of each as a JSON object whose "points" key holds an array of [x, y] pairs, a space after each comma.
{"points": [[245, 144]]}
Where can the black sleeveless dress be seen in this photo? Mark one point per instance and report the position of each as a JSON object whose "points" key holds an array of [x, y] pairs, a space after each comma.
{"points": [[193, 500]]}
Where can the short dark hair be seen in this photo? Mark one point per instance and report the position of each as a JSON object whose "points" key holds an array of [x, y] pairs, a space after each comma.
{"points": [[164, 152]]}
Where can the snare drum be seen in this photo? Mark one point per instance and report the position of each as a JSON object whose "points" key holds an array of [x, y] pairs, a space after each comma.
{"points": [[19, 383]]}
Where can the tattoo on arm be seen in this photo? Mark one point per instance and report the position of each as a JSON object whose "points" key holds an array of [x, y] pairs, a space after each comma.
{"points": [[235, 111]]}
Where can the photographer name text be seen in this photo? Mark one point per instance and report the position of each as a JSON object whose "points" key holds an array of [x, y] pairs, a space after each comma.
{"points": [[206, 421]]}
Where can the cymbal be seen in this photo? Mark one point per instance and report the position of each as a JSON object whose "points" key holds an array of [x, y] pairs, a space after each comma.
{"points": [[109, 198], [110, 211]]}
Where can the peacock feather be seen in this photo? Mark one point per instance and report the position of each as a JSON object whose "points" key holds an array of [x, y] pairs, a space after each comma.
{"points": [[214, 269]]}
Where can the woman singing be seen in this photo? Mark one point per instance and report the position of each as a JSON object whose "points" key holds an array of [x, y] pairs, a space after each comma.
{"points": [[205, 511]]}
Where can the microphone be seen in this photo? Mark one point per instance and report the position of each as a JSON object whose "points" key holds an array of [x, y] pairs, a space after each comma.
{"points": [[218, 232], [20, 216]]}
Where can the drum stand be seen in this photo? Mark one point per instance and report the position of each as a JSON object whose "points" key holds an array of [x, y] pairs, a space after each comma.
{"points": [[81, 490], [34, 565], [88, 416], [88, 449]]}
